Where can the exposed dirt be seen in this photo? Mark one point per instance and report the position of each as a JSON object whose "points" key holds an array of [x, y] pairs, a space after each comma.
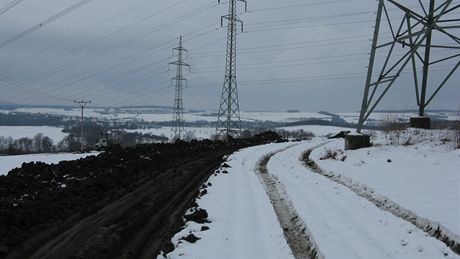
{"points": [[296, 232], [125, 203]]}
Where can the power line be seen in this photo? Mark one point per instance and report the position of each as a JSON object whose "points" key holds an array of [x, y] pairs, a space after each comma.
{"points": [[27, 90], [295, 6], [85, 46], [73, 36], [9, 6], [121, 43], [127, 60], [45, 22], [280, 81], [138, 57]]}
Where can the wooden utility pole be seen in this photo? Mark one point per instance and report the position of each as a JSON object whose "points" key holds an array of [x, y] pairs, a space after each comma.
{"points": [[82, 106]]}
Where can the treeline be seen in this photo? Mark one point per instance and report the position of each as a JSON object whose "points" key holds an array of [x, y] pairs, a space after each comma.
{"points": [[296, 135], [37, 144]]}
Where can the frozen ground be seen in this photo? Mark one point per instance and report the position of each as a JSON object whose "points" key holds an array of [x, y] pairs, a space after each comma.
{"points": [[243, 222], [9, 162], [16, 132], [345, 225]]}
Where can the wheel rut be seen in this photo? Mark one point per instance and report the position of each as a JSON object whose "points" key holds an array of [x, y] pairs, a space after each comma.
{"points": [[295, 230], [433, 229]]}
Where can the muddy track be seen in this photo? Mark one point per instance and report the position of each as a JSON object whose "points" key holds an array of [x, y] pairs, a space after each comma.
{"points": [[431, 228], [138, 224], [296, 232]]}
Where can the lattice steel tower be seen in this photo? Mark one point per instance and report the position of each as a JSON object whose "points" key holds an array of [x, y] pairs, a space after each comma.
{"points": [[421, 38], [178, 114], [228, 121]]}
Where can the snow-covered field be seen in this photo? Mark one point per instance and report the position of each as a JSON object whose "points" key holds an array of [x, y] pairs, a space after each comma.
{"points": [[10, 162], [423, 177], [16, 132]]}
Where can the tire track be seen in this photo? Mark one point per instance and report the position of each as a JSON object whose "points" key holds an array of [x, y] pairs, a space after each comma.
{"points": [[433, 229], [297, 235]]}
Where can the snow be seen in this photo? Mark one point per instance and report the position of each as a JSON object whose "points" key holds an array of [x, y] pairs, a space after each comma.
{"points": [[343, 224], [243, 221], [7, 163], [423, 177], [16, 132], [283, 116]]}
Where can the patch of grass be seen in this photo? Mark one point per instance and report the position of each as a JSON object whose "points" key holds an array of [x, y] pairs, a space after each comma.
{"points": [[334, 155]]}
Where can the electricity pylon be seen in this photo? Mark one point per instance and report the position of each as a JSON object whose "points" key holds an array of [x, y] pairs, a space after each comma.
{"points": [[82, 106], [178, 114], [422, 36], [228, 120]]}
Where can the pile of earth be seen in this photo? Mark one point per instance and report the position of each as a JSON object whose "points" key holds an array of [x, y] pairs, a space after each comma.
{"points": [[40, 201]]}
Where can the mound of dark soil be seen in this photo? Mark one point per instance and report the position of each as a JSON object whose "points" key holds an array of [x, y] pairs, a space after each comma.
{"points": [[39, 202]]}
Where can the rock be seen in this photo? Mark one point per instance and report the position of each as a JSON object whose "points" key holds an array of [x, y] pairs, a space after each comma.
{"points": [[203, 192], [199, 216], [389, 161], [191, 238], [204, 228], [168, 247], [225, 165]]}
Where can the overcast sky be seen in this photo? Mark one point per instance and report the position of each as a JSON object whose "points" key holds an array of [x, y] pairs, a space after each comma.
{"points": [[309, 55]]}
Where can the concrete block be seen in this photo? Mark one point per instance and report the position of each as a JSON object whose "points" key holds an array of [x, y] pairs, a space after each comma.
{"points": [[420, 122], [356, 141]]}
